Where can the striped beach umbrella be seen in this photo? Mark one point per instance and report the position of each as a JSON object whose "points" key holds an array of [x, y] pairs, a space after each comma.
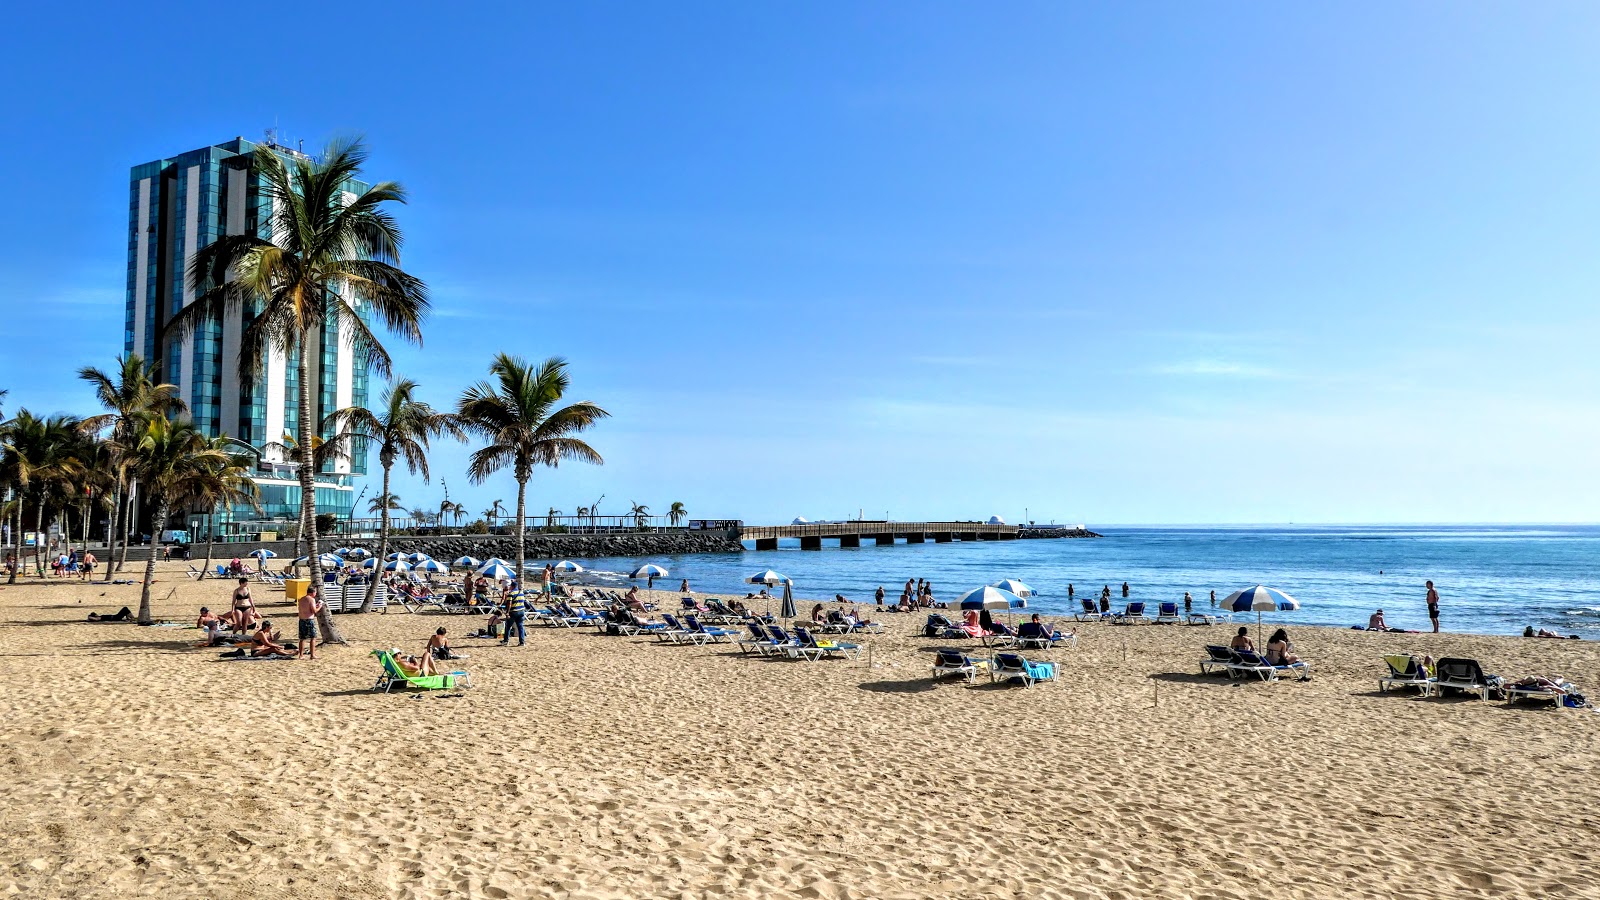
{"points": [[768, 578], [417, 557], [497, 570], [262, 554], [397, 565], [433, 567], [468, 562], [568, 566], [370, 564], [358, 554], [325, 560], [394, 556], [341, 552], [990, 597], [649, 572], [1015, 587], [1259, 599]]}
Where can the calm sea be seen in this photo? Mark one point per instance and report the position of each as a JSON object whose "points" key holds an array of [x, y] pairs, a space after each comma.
{"points": [[1492, 579]]}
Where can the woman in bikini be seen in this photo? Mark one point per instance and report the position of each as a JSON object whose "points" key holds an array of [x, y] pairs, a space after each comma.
{"points": [[244, 609]]}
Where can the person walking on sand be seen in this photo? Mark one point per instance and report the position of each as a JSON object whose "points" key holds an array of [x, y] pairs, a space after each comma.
{"points": [[1433, 607], [87, 570], [307, 608]]}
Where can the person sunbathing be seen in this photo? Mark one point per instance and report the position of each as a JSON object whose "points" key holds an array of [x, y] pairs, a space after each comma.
{"points": [[439, 646], [415, 666], [738, 608], [1375, 622], [1279, 651], [265, 643], [122, 615], [1241, 641], [817, 615], [1050, 631]]}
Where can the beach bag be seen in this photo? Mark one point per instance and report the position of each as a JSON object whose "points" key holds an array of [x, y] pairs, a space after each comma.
{"points": [[1574, 700]]}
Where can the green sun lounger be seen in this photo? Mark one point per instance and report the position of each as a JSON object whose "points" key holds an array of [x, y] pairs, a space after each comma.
{"points": [[394, 675]]}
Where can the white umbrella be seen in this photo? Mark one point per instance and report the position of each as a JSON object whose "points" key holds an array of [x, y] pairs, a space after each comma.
{"points": [[468, 562], [1260, 599], [325, 560], [568, 566], [649, 572], [1015, 587], [497, 570], [370, 564], [341, 551], [397, 565], [417, 557], [262, 554], [358, 554], [768, 578], [990, 597], [433, 566], [394, 556]]}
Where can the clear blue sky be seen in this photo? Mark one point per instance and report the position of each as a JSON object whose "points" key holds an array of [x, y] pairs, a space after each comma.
{"points": [[1112, 263]]}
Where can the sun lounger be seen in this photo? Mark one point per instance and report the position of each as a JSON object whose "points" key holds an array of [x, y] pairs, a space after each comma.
{"points": [[1000, 635], [1132, 614], [1452, 674], [1249, 662], [1009, 666], [1405, 671], [954, 662], [782, 642], [713, 635], [1218, 659], [814, 648], [1031, 635], [1515, 692], [195, 574], [394, 675], [1195, 618], [1167, 614], [679, 633], [1090, 612]]}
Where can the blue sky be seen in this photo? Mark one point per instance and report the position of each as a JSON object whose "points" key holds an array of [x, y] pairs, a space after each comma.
{"points": [[1106, 263]]}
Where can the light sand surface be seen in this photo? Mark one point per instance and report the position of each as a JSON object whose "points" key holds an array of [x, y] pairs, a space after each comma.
{"points": [[591, 766]]}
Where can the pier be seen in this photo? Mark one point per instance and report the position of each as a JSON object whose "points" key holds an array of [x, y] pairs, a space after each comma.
{"points": [[851, 534]]}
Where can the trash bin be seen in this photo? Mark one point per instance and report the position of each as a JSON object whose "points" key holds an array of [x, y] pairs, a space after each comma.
{"points": [[295, 588]]}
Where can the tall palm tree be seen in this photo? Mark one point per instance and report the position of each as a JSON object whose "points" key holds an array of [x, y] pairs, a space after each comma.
{"points": [[519, 420], [401, 428], [640, 513], [38, 457], [382, 502], [131, 395], [328, 253], [550, 519], [677, 513], [225, 483], [170, 457]]}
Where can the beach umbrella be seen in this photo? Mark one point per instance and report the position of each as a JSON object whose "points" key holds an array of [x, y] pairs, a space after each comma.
{"points": [[262, 554], [1015, 587], [768, 578], [341, 552], [650, 573], [432, 566], [358, 554], [497, 570], [397, 565], [1260, 599], [326, 560], [567, 565], [394, 556], [468, 562], [370, 564], [788, 611], [418, 557], [990, 597]]}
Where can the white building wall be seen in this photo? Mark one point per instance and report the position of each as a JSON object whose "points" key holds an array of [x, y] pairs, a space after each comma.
{"points": [[141, 268]]}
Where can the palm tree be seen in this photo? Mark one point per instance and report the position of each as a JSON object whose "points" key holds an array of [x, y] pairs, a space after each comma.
{"points": [[332, 262], [384, 503], [225, 483], [520, 421], [640, 514], [130, 397], [41, 455], [550, 519], [401, 428], [677, 513], [170, 458]]}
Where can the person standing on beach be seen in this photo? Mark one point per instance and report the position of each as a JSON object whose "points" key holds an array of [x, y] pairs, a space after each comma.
{"points": [[1188, 603], [1433, 607], [87, 570], [516, 616], [879, 597], [307, 607]]}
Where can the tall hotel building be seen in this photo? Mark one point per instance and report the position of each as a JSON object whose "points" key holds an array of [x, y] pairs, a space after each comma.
{"points": [[175, 207]]}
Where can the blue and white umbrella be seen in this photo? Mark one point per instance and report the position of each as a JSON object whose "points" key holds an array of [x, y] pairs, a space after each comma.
{"points": [[499, 571], [768, 578], [397, 565], [1260, 599], [649, 572], [262, 554], [468, 562], [341, 552], [433, 567], [567, 565], [990, 597], [358, 554], [418, 557], [1015, 587], [394, 556], [325, 560], [370, 564]]}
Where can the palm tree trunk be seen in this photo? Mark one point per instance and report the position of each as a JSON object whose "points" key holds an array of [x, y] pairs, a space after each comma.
{"points": [[207, 567], [308, 494], [38, 545], [129, 518], [522, 536], [162, 511], [111, 526], [16, 537], [383, 545]]}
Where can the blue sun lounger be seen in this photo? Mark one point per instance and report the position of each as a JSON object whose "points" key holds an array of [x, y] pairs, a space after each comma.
{"points": [[954, 662], [1010, 666]]}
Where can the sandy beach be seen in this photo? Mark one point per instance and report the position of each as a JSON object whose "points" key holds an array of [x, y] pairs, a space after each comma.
{"points": [[591, 766]]}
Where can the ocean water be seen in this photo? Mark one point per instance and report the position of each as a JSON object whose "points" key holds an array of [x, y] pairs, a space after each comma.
{"points": [[1491, 579]]}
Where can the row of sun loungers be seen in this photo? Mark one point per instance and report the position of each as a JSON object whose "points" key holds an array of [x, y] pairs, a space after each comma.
{"points": [[1467, 676], [1133, 614], [1248, 663], [1000, 667]]}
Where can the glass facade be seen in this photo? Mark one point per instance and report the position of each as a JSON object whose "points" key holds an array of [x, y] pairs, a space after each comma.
{"points": [[177, 206]]}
